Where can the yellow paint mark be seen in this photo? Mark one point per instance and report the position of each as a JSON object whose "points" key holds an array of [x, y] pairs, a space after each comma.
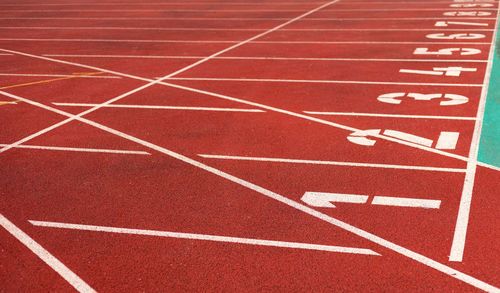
{"points": [[10, 102], [50, 80]]}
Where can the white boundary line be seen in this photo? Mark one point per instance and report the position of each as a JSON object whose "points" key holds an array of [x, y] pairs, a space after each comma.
{"points": [[59, 75], [259, 58], [216, 238], [226, 29], [162, 107], [340, 224], [225, 97], [237, 42], [389, 115], [46, 257], [236, 10], [87, 150], [323, 81], [334, 163], [459, 236], [239, 18]]}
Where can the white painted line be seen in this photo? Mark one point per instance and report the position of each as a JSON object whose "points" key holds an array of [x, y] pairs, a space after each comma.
{"points": [[115, 11], [58, 75], [87, 150], [406, 202], [192, 236], [227, 29], [45, 256], [259, 58], [160, 107], [447, 140], [323, 81], [224, 97], [291, 203], [408, 137], [459, 236], [238, 42], [324, 199], [334, 163], [389, 115]]}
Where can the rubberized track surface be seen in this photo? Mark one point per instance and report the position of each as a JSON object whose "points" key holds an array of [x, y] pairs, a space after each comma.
{"points": [[270, 146]]}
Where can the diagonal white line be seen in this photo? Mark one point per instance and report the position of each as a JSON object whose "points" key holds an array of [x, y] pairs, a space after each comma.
{"points": [[343, 225], [45, 256], [334, 163], [162, 107], [86, 150], [217, 238]]}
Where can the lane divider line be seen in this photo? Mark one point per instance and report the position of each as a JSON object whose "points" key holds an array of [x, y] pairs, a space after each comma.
{"points": [[70, 149], [68, 275], [216, 238], [161, 107], [333, 163]]}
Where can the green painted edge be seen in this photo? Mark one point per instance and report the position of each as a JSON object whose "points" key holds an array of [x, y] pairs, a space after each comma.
{"points": [[489, 144]]}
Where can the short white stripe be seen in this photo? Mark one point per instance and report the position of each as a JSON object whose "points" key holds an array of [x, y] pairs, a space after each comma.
{"points": [[323, 81], [57, 75], [317, 162], [406, 202], [216, 238], [160, 107], [88, 150], [44, 255], [390, 115]]}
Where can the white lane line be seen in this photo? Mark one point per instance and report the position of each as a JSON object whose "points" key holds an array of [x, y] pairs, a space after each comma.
{"points": [[459, 236], [229, 98], [406, 202], [237, 42], [87, 150], [230, 29], [58, 75], [216, 238], [46, 257], [389, 115], [334, 163], [230, 10], [161, 107], [258, 58], [291, 203], [323, 81]]}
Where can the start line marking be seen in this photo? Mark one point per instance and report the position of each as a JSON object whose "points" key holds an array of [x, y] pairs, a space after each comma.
{"points": [[205, 237]]}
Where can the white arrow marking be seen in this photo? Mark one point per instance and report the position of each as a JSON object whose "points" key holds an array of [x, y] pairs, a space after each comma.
{"points": [[323, 199]]}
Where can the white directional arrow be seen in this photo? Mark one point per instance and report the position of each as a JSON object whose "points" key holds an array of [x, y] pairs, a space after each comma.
{"points": [[324, 199]]}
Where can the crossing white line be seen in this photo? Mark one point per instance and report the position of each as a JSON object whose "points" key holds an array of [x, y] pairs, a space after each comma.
{"points": [[324, 81], [73, 279], [161, 107], [216, 238], [69, 149], [257, 58], [333, 163], [389, 115]]}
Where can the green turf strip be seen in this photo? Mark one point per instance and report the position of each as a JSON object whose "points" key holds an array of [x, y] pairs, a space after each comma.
{"points": [[489, 146]]}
